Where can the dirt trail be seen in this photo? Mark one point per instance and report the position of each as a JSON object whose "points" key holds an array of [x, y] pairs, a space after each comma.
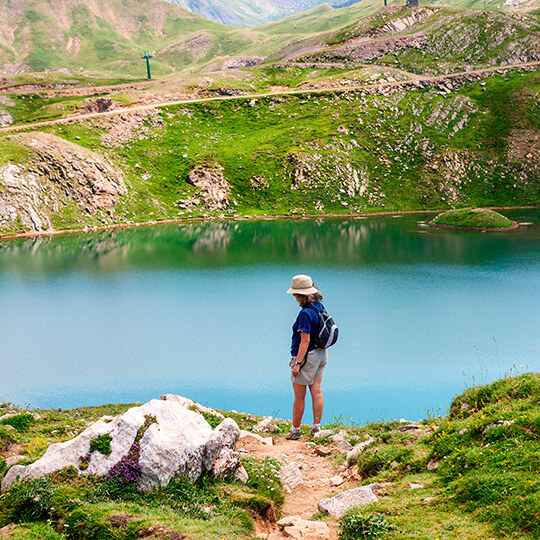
{"points": [[146, 107], [316, 471]]}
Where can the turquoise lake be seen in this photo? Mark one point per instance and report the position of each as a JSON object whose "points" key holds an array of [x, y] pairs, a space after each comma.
{"points": [[200, 309]]}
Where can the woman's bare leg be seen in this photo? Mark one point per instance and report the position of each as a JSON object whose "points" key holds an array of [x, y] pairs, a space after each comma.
{"points": [[299, 404], [317, 400]]}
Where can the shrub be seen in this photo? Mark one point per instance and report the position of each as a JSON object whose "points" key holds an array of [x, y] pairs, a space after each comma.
{"points": [[30, 500], [21, 422], [356, 525], [101, 444], [373, 460], [6, 439]]}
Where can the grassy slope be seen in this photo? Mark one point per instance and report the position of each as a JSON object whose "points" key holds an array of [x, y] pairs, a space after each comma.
{"points": [[486, 484], [405, 155], [473, 217]]}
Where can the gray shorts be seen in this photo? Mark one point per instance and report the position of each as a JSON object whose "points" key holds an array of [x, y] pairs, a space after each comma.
{"points": [[312, 367]]}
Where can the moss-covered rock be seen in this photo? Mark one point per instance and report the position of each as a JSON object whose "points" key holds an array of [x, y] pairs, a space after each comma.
{"points": [[473, 219]]}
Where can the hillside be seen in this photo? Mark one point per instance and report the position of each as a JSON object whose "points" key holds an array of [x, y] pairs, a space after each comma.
{"points": [[467, 142], [471, 474], [251, 13], [432, 40]]}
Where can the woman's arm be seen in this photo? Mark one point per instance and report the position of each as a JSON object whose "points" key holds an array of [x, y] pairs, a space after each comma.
{"points": [[302, 351]]}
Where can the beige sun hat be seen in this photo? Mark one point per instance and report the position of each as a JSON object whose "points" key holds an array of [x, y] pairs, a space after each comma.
{"points": [[302, 284]]}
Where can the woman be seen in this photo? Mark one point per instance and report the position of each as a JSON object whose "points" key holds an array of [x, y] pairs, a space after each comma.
{"points": [[307, 362]]}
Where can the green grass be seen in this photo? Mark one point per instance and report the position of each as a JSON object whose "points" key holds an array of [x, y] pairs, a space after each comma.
{"points": [[324, 153], [481, 218], [486, 484]]}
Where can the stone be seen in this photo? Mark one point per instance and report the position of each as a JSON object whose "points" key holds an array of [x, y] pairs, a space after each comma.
{"points": [[410, 426], [324, 433], [336, 481], [416, 486], [225, 463], [322, 451], [357, 449], [224, 436], [5, 118], [296, 527], [290, 476], [339, 436], [344, 447], [266, 425], [338, 505], [241, 475], [432, 465], [255, 437], [179, 443]]}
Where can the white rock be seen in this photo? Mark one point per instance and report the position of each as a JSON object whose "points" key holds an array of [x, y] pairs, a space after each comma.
{"points": [[324, 433], [241, 475], [14, 459], [338, 505], [344, 447], [226, 463], [266, 425], [179, 443], [339, 436], [357, 449], [416, 486], [291, 476], [336, 481], [248, 436], [224, 436], [190, 404], [296, 527]]}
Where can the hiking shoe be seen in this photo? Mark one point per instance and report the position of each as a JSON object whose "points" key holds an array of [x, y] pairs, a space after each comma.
{"points": [[293, 435], [314, 430]]}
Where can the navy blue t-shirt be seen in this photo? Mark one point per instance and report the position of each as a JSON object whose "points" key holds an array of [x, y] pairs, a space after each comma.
{"points": [[306, 322]]}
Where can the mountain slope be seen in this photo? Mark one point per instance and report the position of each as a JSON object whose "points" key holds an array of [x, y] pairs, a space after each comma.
{"points": [[252, 12], [102, 35]]}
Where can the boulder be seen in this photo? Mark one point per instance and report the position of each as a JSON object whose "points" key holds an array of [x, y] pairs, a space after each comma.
{"points": [[338, 505], [159, 440], [226, 463], [224, 436]]}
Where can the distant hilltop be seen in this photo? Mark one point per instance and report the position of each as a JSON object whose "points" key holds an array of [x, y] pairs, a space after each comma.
{"points": [[251, 13]]}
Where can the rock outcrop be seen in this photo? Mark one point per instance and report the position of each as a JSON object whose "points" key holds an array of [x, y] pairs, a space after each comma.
{"points": [[150, 445], [58, 174], [214, 189]]}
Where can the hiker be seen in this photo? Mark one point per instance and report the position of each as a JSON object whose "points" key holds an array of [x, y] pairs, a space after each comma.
{"points": [[307, 362]]}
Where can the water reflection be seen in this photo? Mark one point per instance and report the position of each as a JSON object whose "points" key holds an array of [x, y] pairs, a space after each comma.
{"points": [[337, 242]]}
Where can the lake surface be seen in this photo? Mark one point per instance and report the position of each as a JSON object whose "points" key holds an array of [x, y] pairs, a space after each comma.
{"points": [[200, 310]]}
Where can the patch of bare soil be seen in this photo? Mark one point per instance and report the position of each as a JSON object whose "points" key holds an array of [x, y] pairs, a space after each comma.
{"points": [[5, 532], [317, 473]]}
